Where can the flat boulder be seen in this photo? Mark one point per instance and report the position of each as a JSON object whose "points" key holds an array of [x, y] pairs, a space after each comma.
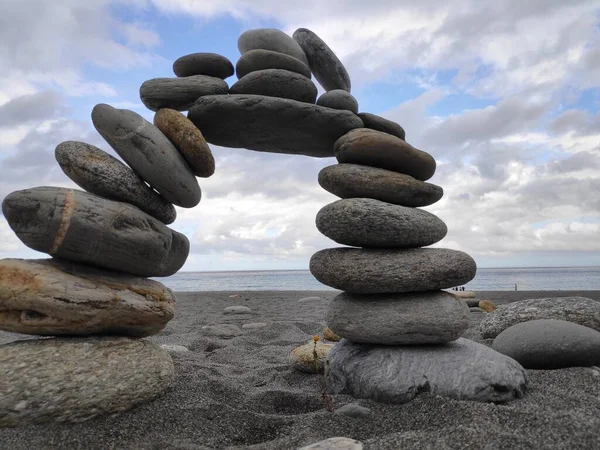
{"points": [[324, 64], [550, 344], [179, 93], [82, 227], [375, 122], [415, 318], [382, 271], [357, 181], [188, 139], [73, 380], [260, 59], [339, 99], [208, 64], [270, 39], [271, 124], [365, 222], [581, 310], [53, 297], [149, 153], [277, 83], [463, 370], [99, 173], [378, 149]]}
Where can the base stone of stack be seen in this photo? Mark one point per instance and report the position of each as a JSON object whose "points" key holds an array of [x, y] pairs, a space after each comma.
{"points": [[463, 370], [73, 380], [277, 83], [260, 59], [414, 318], [55, 297], [179, 93]]}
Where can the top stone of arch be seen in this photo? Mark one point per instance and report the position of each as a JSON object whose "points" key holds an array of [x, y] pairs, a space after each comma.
{"points": [[270, 39]]}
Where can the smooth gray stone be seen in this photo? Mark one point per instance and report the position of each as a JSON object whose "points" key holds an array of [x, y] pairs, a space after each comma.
{"points": [[550, 344], [52, 297], [413, 318], [237, 310], [378, 149], [271, 124], [463, 370], [209, 64], [310, 299], [324, 64], [335, 443], [476, 310], [277, 83], [82, 227], [356, 181], [369, 223], [260, 59], [99, 173], [354, 410], [375, 122], [382, 271], [581, 310], [179, 93], [338, 99], [472, 303], [224, 331], [254, 325], [270, 39], [72, 380], [149, 153]]}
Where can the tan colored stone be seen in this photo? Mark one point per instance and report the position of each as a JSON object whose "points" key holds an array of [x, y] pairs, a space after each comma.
{"points": [[54, 297], [303, 357], [487, 305], [188, 139], [330, 335]]}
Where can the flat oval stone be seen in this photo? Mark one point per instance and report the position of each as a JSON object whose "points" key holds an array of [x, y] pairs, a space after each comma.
{"points": [[187, 139], [260, 59], [179, 93], [364, 222], [581, 310], [82, 227], [277, 83], [149, 153], [53, 297], [414, 318], [378, 123], [356, 181], [463, 370], [99, 173], [550, 344], [271, 124], [335, 443], [324, 64], [380, 271], [209, 64], [72, 380], [270, 39], [338, 99], [378, 149]]}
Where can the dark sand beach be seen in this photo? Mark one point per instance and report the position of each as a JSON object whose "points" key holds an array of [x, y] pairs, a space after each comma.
{"points": [[242, 393]]}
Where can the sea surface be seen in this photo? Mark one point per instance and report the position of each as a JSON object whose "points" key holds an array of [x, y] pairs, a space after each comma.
{"points": [[504, 279]]}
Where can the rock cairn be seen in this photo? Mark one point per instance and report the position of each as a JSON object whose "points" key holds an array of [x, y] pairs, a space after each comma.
{"points": [[106, 239]]}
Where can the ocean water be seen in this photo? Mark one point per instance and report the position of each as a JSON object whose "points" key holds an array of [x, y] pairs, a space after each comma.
{"points": [[526, 279]]}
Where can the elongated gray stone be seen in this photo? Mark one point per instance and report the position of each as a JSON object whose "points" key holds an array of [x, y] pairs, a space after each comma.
{"points": [[413, 318], [375, 122], [271, 124], [378, 149], [338, 99], [364, 222], [209, 64], [357, 181], [277, 83], [270, 39], [335, 443], [82, 227], [56, 297], [72, 380], [550, 344], [580, 310], [324, 64], [261, 59], [99, 173], [463, 370], [380, 271], [149, 153], [179, 93]]}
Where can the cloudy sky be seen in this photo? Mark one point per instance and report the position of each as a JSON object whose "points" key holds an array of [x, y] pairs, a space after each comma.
{"points": [[505, 95]]}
